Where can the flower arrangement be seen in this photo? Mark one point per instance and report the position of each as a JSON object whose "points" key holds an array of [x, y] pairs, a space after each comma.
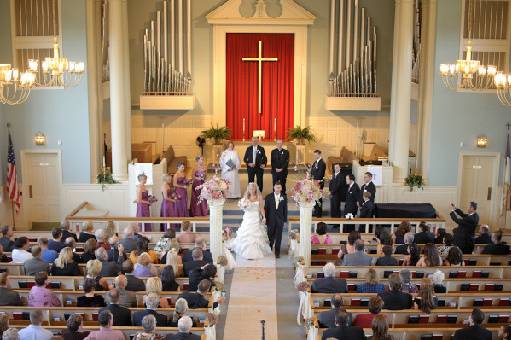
{"points": [[306, 191], [213, 189], [414, 181]]}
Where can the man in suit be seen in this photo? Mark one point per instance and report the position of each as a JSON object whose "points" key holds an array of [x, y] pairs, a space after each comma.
{"points": [[395, 299], [198, 299], [484, 235], [152, 301], [317, 173], [275, 208], [335, 186], [327, 318], [367, 206], [343, 329], [279, 165], [387, 259], [201, 244], [255, 158], [184, 326], [352, 196], [425, 236], [134, 284], [474, 329], [66, 231], [197, 261], [368, 186], [208, 272], [122, 315], [359, 257], [328, 283], [8, 297], [467, 224], [56, 242], [35, 264], [108, 268], [497, 247]]}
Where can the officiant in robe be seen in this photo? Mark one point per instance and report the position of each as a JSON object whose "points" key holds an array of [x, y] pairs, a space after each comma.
{"points": [[230, 165], [255, 158], [279, 165], [275, 209]]}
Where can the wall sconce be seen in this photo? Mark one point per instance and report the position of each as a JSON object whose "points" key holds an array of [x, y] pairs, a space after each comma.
{"points": [[482, 141], [39, 139]]}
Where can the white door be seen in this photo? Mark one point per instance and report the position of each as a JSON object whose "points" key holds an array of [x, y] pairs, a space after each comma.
{"points": [[41, 186], [477, 184]]}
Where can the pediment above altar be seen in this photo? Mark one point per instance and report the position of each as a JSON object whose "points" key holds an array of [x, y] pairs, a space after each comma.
{"points": [[236, 12]]}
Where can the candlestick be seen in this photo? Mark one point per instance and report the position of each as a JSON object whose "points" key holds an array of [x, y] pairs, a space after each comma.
{"points": [[243, 129], [275, 128]]}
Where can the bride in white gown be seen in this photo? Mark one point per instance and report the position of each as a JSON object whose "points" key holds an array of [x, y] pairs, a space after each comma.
{"points": [[251, 240]]}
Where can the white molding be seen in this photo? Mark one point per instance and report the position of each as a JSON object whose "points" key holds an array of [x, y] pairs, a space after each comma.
{"points": [[167, 102]]}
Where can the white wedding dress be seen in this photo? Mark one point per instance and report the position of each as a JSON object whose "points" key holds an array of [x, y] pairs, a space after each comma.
{"points": [[251, 240]]}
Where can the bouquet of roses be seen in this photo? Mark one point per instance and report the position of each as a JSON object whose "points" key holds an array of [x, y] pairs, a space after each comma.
{"points": [[214, 189], [306, 191], [152, 199]]}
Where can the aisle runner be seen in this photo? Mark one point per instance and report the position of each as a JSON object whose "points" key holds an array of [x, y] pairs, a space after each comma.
{"points": [[252, 299]]}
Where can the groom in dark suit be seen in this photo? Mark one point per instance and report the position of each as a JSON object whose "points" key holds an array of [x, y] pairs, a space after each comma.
{"points": [[275, 208], [255, 158]]}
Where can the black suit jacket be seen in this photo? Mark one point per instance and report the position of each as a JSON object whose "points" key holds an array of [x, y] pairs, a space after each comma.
{"points": [[206, 256], [189, 266], [122, 315], [66, 234], [195, 276], [329, 285], [195, 300], [182, 336], [352, 198], [483, 239], [424, 238], [344, 332], [260, 156], [496, 249], [367, 209], [370, 187], [387, 261], [275, 216], [279, 160], [161, 320], [335, 185], [467, 223], [318, 169], [396, 300], [134, 283], [473, 333], [110, 269], [9, 297]]}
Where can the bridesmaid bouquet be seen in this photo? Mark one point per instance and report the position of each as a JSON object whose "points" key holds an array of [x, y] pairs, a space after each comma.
{"points": [[152, 199], [213, 189], [306, 191]]}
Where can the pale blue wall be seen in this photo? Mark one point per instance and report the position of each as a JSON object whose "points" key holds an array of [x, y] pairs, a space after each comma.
{"points": [[60, 114], [459, 117]]}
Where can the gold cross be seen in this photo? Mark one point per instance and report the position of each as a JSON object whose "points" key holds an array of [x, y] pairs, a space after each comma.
{"points": [[260, 60]]}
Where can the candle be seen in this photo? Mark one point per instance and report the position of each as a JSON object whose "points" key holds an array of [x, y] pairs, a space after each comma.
{"points": [[275, 128], [243, 129]]}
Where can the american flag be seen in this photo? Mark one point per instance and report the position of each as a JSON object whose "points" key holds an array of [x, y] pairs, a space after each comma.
{"points": [[12, 183]]}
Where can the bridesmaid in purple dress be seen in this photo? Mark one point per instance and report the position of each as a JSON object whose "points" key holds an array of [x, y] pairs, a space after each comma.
{"points": [[143, 201], [199, 177], [181, 184], [168, 197]]}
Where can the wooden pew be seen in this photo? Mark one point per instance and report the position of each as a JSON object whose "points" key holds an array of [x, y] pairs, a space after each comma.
{"points": [[371, 246]]}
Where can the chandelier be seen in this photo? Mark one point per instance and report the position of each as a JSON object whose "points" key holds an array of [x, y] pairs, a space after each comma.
{"points": [[14, 86], [503, 85]]}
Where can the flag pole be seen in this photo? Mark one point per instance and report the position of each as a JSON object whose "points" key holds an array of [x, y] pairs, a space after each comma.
{"points": [[12, 202]]}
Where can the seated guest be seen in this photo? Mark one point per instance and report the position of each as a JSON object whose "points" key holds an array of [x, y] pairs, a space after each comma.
{"points": [[90, 299], [359, 257], [64, 264], [387, 259], [186, 235], [3, 258], [126, 298], [20, 253], [116, 253], [8, 297], [475, 330], [121, 314], [71, 243], [380, 327], [206, 253], [108, 268], [430, 257], [207, 272], [403, 249], [484, 235], [437, 278], [184, 326], [425, 236], [35, 330], [412, 256], [56, 242], [88, 251], [105, 320], [443, 249], [406, 280], [11, 334], [152, 301], [497, 247], [371, 285], [321, 236], [149, 332], [87, 233], [425, 300], [399, 234], [93, 271], [395, 299], [168, 279], [375, 307], [6, 239], [4, 323], [134, 284], [129, 241], [350, 246], [143, 247], [167, 241], [102, 238], [35, 264], [153, 285], [454, 257], [367, 206], [181, 310], [440, 235], [144, 266], [197, 261], [66, 231], [40, 296], [329, 284], [343, 330], [74, 328], [326, 319], [198, 299], [383, 239]]}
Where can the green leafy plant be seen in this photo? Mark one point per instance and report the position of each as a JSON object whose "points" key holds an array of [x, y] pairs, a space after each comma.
{"points": [[301, 135], [104, 178], [414, 181], [217, 134]]}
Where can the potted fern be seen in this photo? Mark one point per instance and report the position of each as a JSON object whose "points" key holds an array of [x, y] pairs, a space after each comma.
{"points": [[300, 135], [105, 177], [414, 181], [216, 134]]}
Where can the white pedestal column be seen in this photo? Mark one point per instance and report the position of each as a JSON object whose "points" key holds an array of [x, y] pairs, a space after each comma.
{"points": [[118, 109], [216, 226], [305, 231]]}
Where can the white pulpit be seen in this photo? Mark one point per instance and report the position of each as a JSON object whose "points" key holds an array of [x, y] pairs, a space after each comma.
{"points": [[382, 178], [154, 173]]}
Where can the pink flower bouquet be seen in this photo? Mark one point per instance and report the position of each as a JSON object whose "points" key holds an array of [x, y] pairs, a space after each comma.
{"points": [[306, 191], [213, 189]]}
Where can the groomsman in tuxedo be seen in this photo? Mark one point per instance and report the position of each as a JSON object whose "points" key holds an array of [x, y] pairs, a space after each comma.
{"points": [[275, 209], [317, 173], [279, 165], [367, 206], [352, 200], [368, 186], [335, 186], [255, 158]]}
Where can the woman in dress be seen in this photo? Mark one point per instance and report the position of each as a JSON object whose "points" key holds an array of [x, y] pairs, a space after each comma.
{"points": [[251, 240], [199, 177], [143, 200], [168, 200], [181, 183], [230, 164]]}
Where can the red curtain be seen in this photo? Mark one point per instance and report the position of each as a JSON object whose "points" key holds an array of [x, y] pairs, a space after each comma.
{"points": [[242, 84]]}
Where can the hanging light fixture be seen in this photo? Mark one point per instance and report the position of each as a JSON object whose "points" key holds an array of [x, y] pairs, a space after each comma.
{"points": [[15, 86], [468, 73], [503, 84]]}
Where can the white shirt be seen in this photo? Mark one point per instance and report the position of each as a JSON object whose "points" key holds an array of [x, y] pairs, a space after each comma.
{"points": [[254, 151], [277, 200], [20, 255], [35, 333]]}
